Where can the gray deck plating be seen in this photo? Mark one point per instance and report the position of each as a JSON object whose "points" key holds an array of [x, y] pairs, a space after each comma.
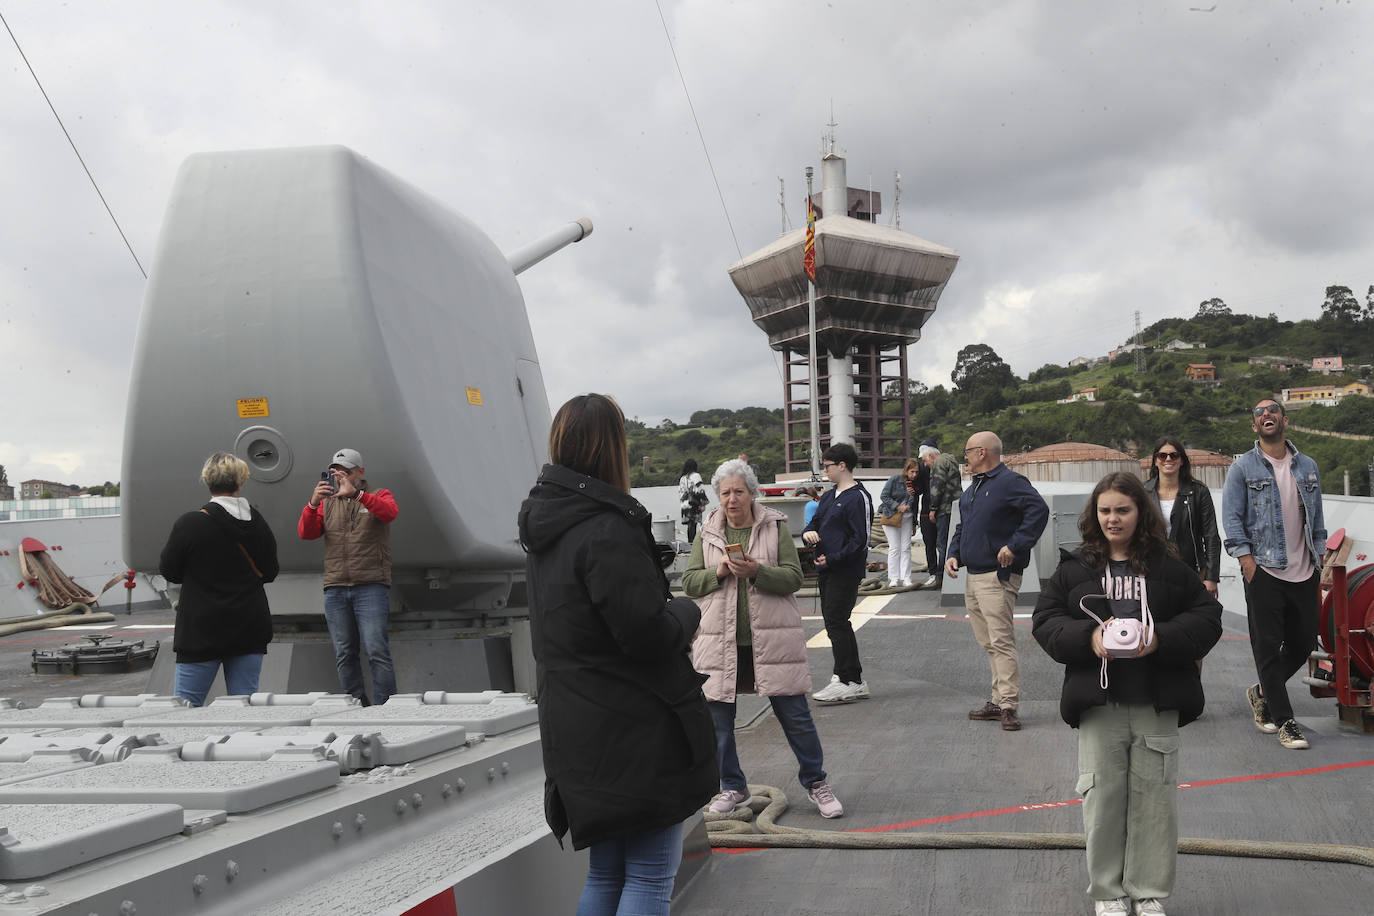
{"points": [[911, 759]]}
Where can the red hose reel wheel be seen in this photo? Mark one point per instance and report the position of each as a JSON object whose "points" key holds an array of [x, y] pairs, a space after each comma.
{"points": [[1360, 587]]}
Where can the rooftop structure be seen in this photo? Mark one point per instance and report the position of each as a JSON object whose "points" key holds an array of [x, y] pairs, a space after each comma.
{"points": [[875, 288]]}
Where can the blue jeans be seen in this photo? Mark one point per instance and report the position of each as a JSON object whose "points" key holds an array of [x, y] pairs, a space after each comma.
{"points": [[193, 679], [354, 613], [795, 718], [634, 875]]}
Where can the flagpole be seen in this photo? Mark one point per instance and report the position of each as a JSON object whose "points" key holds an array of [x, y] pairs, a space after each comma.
{"points": [[811, 332]]}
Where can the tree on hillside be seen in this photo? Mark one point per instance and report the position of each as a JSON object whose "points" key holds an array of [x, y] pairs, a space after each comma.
{"points": [[1207, 308], [1368, 314], [1340, 305], [978, 368]]}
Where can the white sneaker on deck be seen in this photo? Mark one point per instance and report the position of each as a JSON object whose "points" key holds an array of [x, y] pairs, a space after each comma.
{"points": [[930, 582], [823, 797], [1119, 907], [904, 583], [893, 583], [858, 691], [835, 692], [1149, 907], [728, 801]]}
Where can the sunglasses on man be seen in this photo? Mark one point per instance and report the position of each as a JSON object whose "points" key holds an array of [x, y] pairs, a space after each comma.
{"points": [[1266, 408]]}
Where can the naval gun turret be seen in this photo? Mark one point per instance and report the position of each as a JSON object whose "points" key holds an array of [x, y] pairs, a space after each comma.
{"points": [[304, 300]]}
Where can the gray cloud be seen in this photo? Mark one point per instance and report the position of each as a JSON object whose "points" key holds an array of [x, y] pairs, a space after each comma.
{"points": [[1087, 160]]}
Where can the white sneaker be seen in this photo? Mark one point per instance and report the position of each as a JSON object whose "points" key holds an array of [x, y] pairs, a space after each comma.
{"points": [[835, 692], [1119, 907], [931, 582], [857, 691], [893, 583], [1149, 907], [823, 797], [727, 801], [904, 583]]}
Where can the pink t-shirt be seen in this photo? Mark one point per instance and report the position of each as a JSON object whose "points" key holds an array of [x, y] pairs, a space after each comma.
{"points": [[1295, 537]]}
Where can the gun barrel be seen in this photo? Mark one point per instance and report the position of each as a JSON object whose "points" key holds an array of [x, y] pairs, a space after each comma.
{"points": [[537, 251]]}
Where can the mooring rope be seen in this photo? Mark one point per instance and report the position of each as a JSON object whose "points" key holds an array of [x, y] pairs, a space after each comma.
{"points": [[755, 825]]}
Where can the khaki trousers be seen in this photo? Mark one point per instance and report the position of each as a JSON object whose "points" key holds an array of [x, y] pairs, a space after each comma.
{"points": [[1128, 777], [990, 601]]}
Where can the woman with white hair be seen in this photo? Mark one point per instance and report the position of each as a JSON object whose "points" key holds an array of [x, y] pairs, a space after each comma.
{"points": [[744, 573], [221, 553]]}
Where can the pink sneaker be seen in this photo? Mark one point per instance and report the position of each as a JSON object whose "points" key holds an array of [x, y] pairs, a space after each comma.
{"points": [[727, 801], [823, 797]]}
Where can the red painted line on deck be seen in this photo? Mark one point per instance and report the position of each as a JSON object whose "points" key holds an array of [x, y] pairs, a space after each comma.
{"points": [[1069, 803]]}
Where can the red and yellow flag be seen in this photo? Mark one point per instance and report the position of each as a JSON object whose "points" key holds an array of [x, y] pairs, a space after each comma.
{"points": [[809, 249]]}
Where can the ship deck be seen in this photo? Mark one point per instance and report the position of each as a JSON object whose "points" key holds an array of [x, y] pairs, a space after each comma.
{"points": [[910, 759]]}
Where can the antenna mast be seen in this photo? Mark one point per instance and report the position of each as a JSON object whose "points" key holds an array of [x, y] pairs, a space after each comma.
{"points": [[897, 200], [782, 205]]}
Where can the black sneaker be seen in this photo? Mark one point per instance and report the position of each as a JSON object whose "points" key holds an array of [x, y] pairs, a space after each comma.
{"points": [[1291, 737], [1260, 706]]}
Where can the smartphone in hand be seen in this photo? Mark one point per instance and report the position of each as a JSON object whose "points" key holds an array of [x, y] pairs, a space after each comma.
{"points": [[328, 477], [734, 551]]}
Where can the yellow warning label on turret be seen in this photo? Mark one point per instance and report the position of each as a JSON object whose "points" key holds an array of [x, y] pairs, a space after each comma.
{"points": [[252, 407]]}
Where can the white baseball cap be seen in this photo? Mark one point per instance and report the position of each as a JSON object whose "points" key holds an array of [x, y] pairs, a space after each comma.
{"points": [[347, 458]]}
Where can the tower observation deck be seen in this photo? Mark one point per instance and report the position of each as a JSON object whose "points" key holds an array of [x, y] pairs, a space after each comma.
{"points": [[875, 288]]}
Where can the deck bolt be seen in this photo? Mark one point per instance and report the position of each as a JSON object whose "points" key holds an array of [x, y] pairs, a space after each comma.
{"points": [[199, 883], [359, 821], [505, 767], [401, 806], [231, 870], [127, 908], [336, 829], [491, 774], [461, 784], [417, 800], [446, 790]]}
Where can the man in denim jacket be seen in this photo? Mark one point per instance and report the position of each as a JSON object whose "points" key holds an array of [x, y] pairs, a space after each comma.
{"points": [[1272, 516]]}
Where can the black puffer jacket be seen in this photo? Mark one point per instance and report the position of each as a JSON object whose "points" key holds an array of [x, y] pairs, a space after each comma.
{"points": [[1193, 527], [627, 738], [1187, 626], [223, 608]]}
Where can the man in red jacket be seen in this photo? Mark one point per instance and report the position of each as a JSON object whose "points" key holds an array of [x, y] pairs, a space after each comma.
{"points": [[356, 525]]}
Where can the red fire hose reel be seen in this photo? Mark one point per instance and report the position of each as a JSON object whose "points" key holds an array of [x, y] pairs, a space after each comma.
{"points": [[1343, 665]]}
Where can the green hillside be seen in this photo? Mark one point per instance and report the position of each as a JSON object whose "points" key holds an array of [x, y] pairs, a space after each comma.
{"points": [[1132, 410]]}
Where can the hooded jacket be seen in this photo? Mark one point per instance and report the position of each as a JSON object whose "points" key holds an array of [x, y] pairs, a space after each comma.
{"points": [[627, 738], [223, 608], [1187, 626]]}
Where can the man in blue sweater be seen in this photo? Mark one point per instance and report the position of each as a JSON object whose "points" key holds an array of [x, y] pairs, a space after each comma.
{"points": [[839, 533], [1000, 519]]}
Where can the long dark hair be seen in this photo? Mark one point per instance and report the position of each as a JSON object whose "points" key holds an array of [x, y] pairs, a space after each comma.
{"points": [[1149, 538], [1185, 467], [689, 467], [588, 436]]}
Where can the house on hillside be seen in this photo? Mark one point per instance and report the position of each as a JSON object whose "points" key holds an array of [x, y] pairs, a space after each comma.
{"points": [[34, 489], [1201, 372], [1326, 395], [1078, 361], [1177, 344], [1282, 363], [1328, 364], [1127, 348], [1087, 394]]}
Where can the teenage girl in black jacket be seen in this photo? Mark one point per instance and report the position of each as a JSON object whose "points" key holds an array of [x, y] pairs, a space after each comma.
{"points": [[1191, 520], [1127, 709]]}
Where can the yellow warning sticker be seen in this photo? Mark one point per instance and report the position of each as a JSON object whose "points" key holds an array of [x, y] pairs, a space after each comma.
{"points": [[474, 396], [252, 407]]}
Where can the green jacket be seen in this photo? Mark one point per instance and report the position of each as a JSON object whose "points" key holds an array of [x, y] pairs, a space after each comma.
{"points": [[946, 483]]}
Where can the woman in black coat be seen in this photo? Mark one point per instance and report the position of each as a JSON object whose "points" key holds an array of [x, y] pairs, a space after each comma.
{"points": [[221, 553], [629, 748], [1127, 708], [1186, 504]]}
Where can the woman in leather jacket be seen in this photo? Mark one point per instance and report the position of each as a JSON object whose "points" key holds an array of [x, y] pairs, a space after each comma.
{"points": [[1186, 505]]}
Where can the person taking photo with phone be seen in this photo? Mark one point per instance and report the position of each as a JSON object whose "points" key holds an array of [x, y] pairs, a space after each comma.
{"points": [[355, 522], [1127, 710]]}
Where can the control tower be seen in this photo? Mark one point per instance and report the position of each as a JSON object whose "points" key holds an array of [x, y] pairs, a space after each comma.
{"points": [[875, 288]]}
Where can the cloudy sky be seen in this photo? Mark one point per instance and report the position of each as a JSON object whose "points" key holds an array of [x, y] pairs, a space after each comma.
{"points": [[1086, 160]]}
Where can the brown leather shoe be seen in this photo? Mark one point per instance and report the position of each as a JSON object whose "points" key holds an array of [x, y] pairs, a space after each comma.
{"points": [[988, 712], [1010, 721]]}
